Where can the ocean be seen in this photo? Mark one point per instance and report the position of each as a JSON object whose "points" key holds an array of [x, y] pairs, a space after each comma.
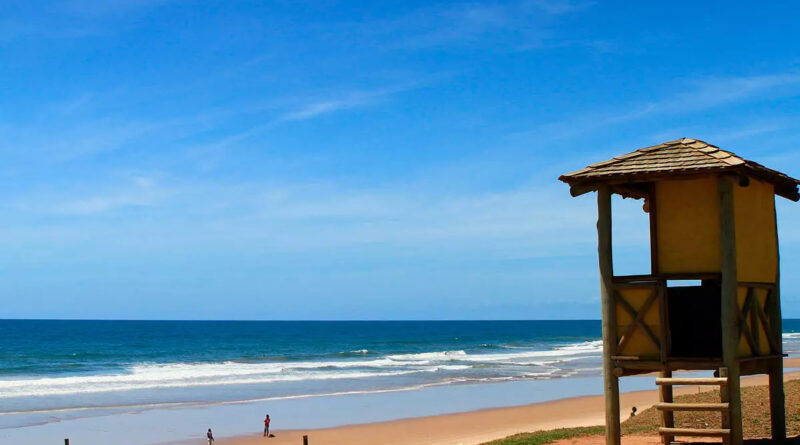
{"points": [[52, 370]]}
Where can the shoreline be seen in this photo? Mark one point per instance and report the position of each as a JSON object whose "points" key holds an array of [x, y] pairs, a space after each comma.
{"points": [[483, 425]]}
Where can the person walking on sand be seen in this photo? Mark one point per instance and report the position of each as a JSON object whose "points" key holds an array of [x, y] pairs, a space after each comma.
{"points": [[266, 426], [210, 436]]}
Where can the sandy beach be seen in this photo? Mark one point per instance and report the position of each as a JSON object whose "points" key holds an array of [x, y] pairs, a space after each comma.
{"points": [[476, 427]]}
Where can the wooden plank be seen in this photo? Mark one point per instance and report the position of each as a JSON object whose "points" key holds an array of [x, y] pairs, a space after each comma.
{"points": [[705, 381], [627, 306], [777, 398], [692, 406], [757, 284], [755, 329], [730, 307], [663, 319], [690, 276], [654, 364], [667, 276], [634, 285], [695, 432], [723, 398], [774, 344], [634, 278], [638, 320], [744, 328], [606, 263], [762, 357], [665, 397], [653, 207]]}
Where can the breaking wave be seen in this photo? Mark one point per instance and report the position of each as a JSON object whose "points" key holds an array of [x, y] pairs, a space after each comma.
{"points": [[451, 364]]}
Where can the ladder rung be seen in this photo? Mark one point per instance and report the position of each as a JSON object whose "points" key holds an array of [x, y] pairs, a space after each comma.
{"points": [[691, 381], [694, 432], [692, 406]]}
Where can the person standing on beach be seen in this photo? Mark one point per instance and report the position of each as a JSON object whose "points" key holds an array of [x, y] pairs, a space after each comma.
{"points": [[210, 436], [266, 426]]}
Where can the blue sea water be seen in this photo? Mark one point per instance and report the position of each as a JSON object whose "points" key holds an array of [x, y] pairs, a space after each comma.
{"points": [[55, 370]]}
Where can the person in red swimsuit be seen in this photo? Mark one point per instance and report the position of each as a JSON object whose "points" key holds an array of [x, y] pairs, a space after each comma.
{"points": [[266, 426]]}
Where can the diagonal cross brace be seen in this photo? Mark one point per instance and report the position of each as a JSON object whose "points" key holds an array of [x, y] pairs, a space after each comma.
{"points": [[638, 320]]}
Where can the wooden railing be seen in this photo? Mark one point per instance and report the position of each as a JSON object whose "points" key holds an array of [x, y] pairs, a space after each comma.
{"points": [[753, 316]]}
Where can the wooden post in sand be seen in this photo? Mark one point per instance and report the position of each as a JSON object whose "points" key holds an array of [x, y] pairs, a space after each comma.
{"points": [[777, 398], [610, 380], [305, 440], [730, 304]]}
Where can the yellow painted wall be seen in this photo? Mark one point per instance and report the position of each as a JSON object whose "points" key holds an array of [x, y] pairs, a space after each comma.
{"points": [[639, 344], [756, 255], [687, 215]]}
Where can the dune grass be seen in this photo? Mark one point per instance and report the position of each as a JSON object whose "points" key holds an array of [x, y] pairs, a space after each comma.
{"points": [[544, 437], [755, 412]]}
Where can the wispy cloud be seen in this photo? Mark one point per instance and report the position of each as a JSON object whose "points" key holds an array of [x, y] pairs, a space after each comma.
{"points": [[95, 8], [515, 25], [558, 7], [697, 96], [131, 192], [316, 109], [313, 109], [712, 92]]}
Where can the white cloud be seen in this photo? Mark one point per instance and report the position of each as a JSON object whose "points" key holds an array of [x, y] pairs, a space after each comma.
{"points": [[712, 92], [699, 96], [133, 191]]}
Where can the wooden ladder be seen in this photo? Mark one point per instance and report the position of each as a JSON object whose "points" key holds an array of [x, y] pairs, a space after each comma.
{"points": [[667, 407]]}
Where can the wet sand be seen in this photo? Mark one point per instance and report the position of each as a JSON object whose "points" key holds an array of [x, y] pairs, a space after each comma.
{"points": [[476, 427]]}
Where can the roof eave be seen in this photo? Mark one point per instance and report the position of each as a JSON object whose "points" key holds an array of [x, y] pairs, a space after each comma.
{"points": [[786, 188]]}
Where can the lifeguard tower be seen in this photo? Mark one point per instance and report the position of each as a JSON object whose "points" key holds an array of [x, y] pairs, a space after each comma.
{"points": [[712, 221]]}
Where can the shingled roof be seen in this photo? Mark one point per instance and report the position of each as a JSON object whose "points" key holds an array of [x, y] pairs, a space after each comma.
{"points": [[681, 157]]}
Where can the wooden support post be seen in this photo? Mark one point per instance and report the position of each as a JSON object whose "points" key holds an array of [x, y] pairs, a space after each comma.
{"points": [[305, 440], [730, 306], [66, 441], [667, 416], [777, 398], [723, 397], [653, 211], [610, 380]]}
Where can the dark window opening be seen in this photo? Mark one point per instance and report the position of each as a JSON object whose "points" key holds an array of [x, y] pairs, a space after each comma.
{"points": [[695, 315]]}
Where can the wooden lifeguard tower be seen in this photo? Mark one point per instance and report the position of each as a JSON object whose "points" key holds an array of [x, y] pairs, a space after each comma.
{"points": [[712, 220]]}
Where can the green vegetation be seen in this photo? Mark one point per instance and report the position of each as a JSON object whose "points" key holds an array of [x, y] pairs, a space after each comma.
{"points": [[755, 411], [544, 437]]}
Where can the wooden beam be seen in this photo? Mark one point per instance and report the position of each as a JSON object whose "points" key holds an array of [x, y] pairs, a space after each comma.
{"points": [[653, 228], [668, 276], [755, 329], [580, 189], [663, 320], [744, 328], [674, 365], [606, 262], [775, 344], [665, 398], [730, 306], [692, 406], [694, 432], [637, 321], [707, 381], [777, 398], [757, 284]]}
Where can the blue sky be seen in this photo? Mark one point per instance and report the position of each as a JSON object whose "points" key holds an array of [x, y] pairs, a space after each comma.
{"points": [[351, 160]]}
